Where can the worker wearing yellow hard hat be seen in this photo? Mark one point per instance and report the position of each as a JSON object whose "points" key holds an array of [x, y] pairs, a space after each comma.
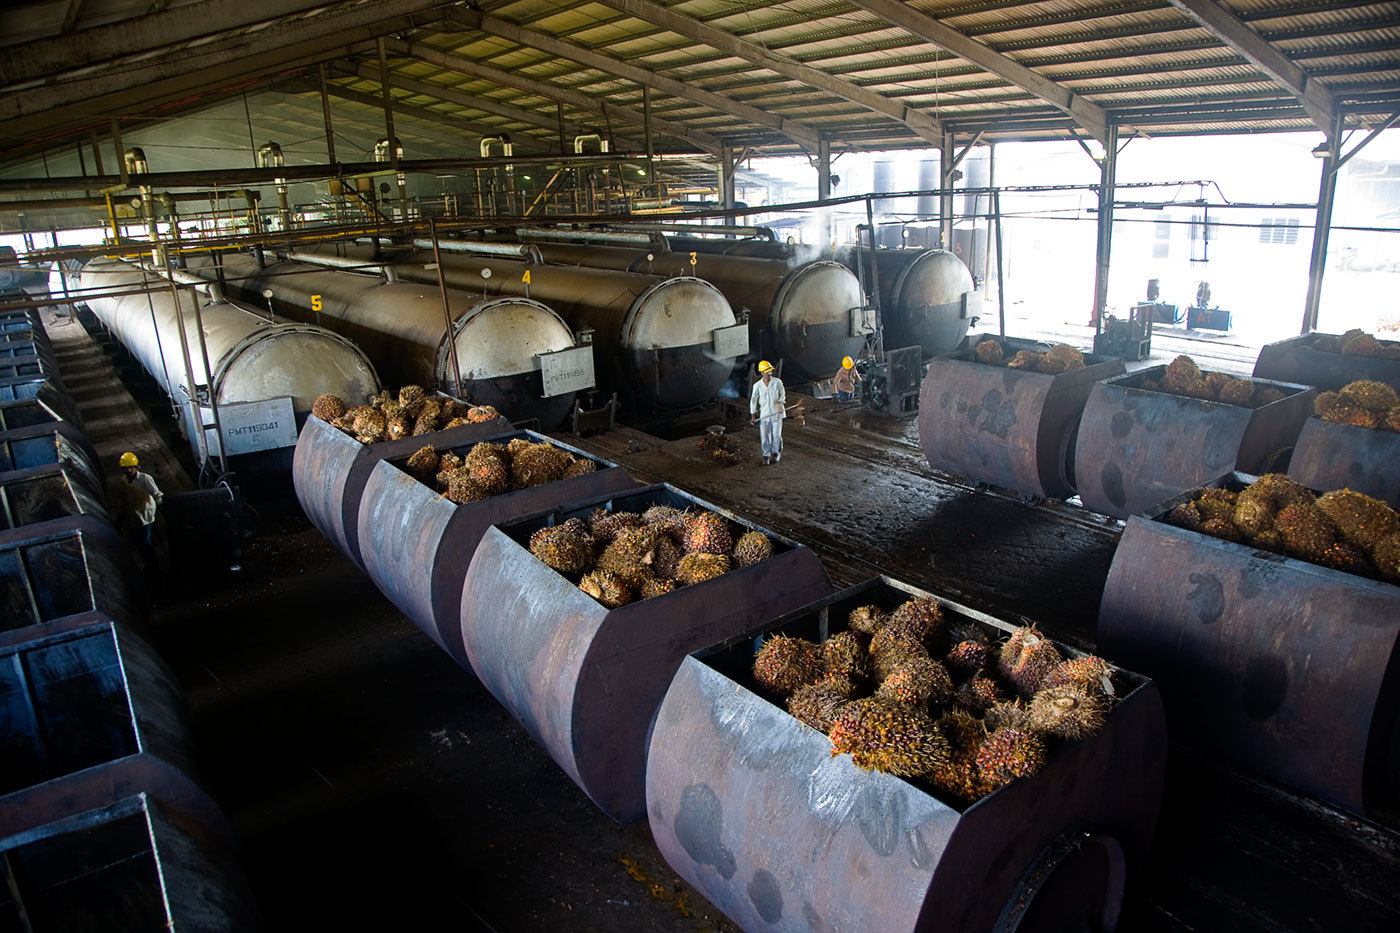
{"points": [[845, 381], [136, 509], [766, 406]]}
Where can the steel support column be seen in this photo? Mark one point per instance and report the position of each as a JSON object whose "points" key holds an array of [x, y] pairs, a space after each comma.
{"points": [[1322, 225], [824, 189], [1108, 178], [947, 167], [326, 114], [726, 180]]}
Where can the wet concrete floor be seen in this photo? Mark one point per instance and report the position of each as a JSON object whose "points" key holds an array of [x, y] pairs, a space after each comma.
{"points": [[373, 784]]}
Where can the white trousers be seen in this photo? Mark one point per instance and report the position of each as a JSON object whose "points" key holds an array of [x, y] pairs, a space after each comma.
{"points": [[770, 432]]}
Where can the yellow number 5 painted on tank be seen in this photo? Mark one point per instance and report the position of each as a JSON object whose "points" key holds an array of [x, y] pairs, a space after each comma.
{"points": [[315, 302]]}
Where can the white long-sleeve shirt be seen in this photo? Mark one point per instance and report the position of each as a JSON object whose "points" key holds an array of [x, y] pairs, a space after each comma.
{"points": [[767, 401], [142, 497]]}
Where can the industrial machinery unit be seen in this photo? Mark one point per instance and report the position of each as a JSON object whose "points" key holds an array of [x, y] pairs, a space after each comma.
{"points": [[809, 315], [927, 297], [663, 343], [243, 384], [500, 347]]}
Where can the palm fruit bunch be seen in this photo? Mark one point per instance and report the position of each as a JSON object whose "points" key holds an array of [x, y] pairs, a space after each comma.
{"points": [[1358, 343], [892, 737], [988, 351], [1184, 377], [959, 777], [392, 415], [817, 704], [785, 663], [538, 464], [752, 547], [1008, 754], [1342, 529], [492, 469], [1060, 358], [1364, 404], [648, 553], [1026, 658], [567, 547], [708, 533], [608, 588], [328, 407], [369, 427], [424, 463], [875, 688]]}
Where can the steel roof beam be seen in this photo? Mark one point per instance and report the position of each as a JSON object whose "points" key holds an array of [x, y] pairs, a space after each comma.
{"points": [[1091, 117], [457, 63], [45, 58], [463, 99], [281, 42], [1231, 30], [925, 125], [427, 115], [798, 132]]}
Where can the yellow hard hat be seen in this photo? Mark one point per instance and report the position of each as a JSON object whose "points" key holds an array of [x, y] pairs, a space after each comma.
{"points": [[764, 366], [847, 363], [129, 459]]}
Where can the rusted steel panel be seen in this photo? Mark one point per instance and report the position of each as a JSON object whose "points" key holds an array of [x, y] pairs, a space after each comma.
{"points": [[44, 493], [1298, 360], [46, 404], [80, 692], [1007, 427], [416, 543], [130, 861], [64, 568], [330, 469], [1283, 666], [585, 680], [43, 444], [1330, 455], [749, 806], [19, 388], [1136, 448]]}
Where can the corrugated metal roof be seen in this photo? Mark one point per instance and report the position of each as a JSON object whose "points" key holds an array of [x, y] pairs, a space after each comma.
{"points": [[1144, 62]]}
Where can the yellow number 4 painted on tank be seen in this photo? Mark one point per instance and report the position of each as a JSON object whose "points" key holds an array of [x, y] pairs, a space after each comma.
{"points": [[526, 277]]}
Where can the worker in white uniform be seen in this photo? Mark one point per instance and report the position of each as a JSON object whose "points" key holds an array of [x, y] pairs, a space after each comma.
{"points": [[140, 497], [766, 406]]}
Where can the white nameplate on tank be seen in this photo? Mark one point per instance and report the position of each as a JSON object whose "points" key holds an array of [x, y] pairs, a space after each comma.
{"points": [[731, 341], [568, 370], [252, 426]]}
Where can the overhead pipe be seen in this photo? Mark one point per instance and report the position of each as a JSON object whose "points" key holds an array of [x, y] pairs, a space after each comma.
{"points": [[135, 161], [270, 156], [597, 236], [525, 251], [507, 150]]}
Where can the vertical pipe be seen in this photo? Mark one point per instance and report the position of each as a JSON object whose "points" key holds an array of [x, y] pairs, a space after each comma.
{"points": [[388, 103], [646, 126], [209, 372], [875, 282], [446, 310], [326, 114], [161, 256], [1108, 177], [727, 169], [1322, 225], [945, 195], [563, 137], [824, 191], [1001, 290], [117, 145]]}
